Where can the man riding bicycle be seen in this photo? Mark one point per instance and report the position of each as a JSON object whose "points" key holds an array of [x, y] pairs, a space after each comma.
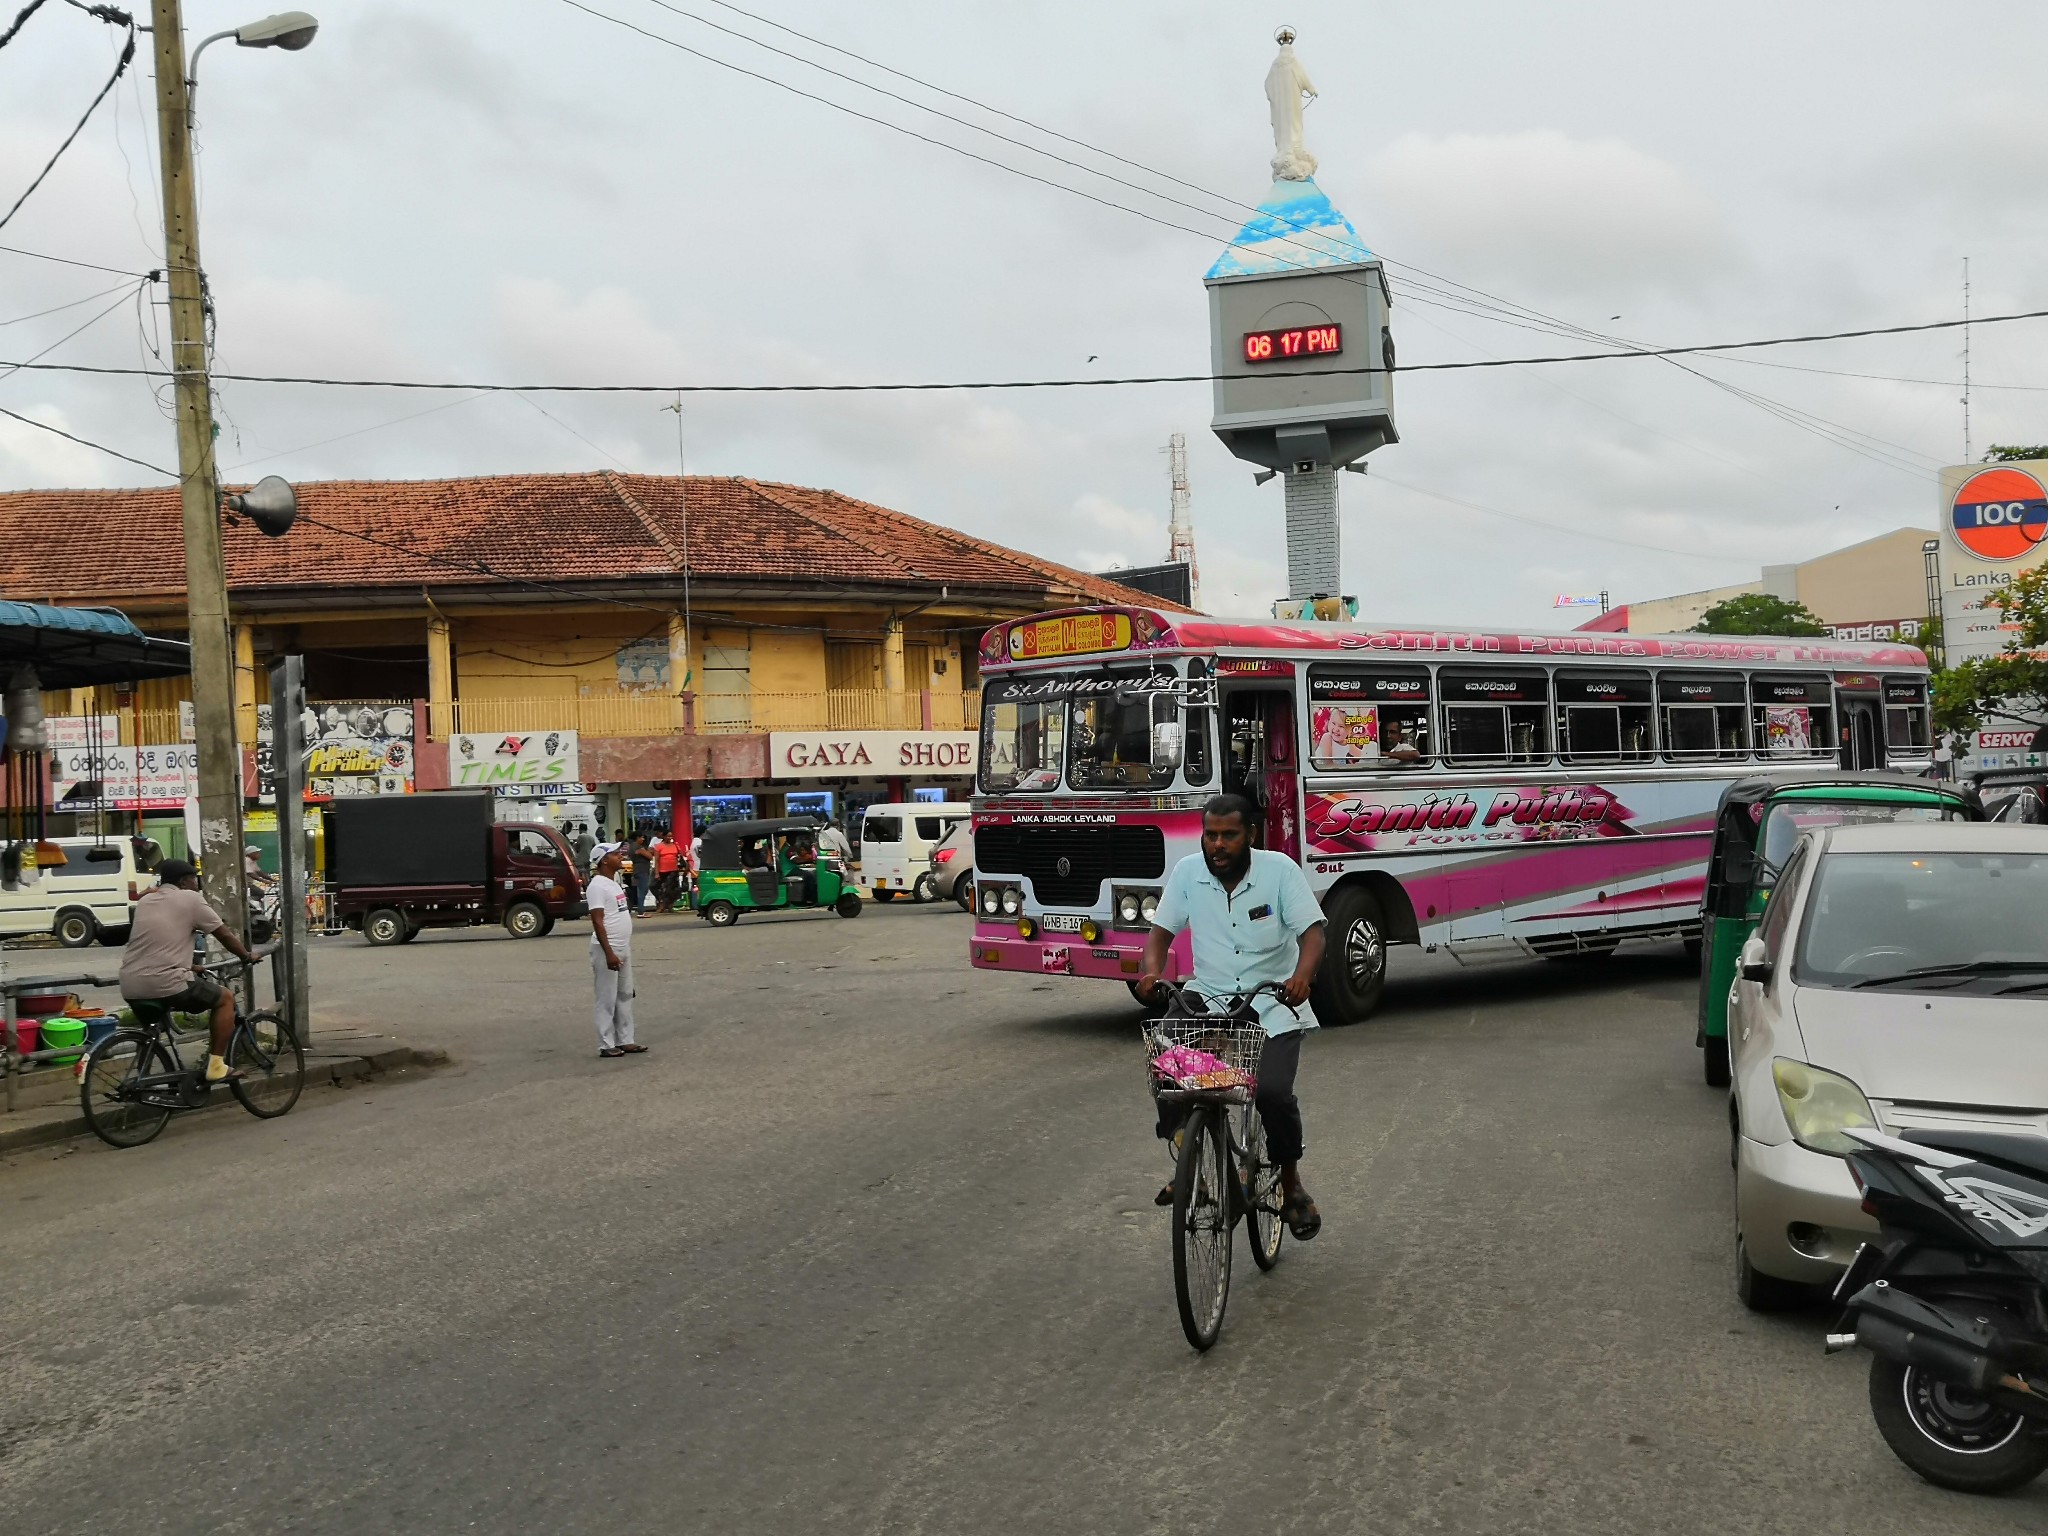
{"points": [[156, 965], [1252, 919]]}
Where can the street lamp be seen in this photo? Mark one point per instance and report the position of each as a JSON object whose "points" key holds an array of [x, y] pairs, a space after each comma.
{"points": [[206, 585], [289, 30]]}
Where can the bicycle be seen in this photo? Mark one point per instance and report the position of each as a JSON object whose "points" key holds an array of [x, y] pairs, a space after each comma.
{"points": [[1209, 1062], [133, 1081]]}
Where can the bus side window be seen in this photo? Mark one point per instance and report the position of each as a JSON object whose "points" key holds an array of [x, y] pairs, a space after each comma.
{"points": [[1905, 715], [1705, 715], [1368, 717], [1495, 714], [1604, 717], [1793, 716]]}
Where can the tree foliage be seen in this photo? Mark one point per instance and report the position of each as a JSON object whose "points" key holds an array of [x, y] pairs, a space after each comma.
{"points": [[2012, 686], [1758, 613], [2015, 453]]}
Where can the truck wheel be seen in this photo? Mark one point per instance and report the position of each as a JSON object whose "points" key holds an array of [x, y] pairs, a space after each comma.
{"points": [[1354, 969], [386, 925], [524, 920], [547, 926], [882, 895], [75, 928], [412, 931], [926, 889], [848, 905], [721, 914]]}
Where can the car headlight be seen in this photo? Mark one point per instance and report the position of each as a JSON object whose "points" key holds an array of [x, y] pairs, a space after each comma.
{"points": [[991, 901], [1127, 907], [1820, 1107], [1148, 905], [1013, 901]]}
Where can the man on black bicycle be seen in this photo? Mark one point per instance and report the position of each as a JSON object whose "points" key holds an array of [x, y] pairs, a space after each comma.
{"points": [[156, 965], [1251, 919]]}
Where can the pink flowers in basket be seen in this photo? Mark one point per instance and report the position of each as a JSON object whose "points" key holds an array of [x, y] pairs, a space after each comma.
{"points": [[1187, 1068]]}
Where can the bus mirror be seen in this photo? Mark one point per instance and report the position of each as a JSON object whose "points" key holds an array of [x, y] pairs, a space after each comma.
{"points": [[1166, 744]]}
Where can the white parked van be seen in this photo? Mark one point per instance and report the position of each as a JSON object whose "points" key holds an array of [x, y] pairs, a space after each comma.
{"points": [[896, 842], [87, 897]]}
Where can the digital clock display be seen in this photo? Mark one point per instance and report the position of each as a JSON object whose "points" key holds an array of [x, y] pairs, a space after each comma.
{"points": [[1294, 342]]}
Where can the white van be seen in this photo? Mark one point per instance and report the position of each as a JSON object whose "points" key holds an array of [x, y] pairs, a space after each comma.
{"points": [[896, 842], [89, 896]]}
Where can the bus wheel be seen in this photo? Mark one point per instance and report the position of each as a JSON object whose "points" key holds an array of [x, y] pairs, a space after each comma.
{"points": [[1354, 969]]}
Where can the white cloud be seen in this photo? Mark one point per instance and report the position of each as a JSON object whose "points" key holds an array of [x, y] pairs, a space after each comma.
{"points": [[1540, 208], [36, 457]]}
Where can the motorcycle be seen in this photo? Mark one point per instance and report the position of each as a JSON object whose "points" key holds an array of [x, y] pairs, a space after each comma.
{"points": [[1952, 1302], [265, 907]]}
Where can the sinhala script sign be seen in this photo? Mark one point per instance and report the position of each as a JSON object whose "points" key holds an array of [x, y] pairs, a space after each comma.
{"points": [[861, 754], [517, 757]]}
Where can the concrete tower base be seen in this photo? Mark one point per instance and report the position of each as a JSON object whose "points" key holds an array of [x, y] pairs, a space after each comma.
{"points": [[1313, 563]]}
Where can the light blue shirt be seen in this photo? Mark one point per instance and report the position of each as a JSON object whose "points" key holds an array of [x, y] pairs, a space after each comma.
{"points": [[1245, 936]]}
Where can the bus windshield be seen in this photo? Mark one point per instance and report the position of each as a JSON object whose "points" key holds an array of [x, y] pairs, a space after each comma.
{"points": [[1022, 742]]}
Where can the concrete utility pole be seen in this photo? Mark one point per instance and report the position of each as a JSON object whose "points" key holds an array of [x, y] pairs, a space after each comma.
{"points": [[206, 582]]}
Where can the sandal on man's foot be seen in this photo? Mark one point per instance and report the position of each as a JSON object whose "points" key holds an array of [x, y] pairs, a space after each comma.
{"points": [[631, 1050], [1301, 1216], [610, 1050], [1165, 1195]]}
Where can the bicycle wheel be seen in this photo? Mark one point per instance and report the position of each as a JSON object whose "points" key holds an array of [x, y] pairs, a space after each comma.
{"points": [[1201, 1227], [272, 1061], [1262, 1224], [109, 1068]]}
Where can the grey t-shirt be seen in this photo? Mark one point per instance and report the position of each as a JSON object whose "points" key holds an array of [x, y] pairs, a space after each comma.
{"points": [[158, 959]]}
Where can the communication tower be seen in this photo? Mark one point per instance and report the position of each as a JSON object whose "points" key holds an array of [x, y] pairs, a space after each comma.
{"points": [[1181, 527]]}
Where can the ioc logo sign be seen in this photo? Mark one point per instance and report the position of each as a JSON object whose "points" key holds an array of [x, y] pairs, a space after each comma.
{"points": [[2000, 514]]}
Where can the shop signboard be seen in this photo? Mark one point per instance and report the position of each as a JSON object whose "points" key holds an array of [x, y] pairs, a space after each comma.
{"points": [[130, 778], [61, 731], [1995, 517], [515, 757], [542, 791], [2008, 747], [354, 747], [863, 754]]}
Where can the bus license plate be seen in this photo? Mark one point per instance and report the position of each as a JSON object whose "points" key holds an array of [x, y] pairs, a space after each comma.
{"points": [[1061, 922]]}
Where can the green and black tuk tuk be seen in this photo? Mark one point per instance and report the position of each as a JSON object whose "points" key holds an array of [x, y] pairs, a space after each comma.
{"points": [[766, 866], [1755, 828]]}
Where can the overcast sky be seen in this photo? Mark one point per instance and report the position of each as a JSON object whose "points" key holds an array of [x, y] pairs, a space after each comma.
{"points": [[516, 190]]}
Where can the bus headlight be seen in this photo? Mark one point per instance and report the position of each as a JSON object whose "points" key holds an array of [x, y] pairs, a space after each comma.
{"points": [[1134, 906], [991, 901], [1012, 900]]}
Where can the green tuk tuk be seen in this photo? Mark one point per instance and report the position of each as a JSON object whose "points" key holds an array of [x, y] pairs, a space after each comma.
{"points": [[766, 866], [1755, 828]]}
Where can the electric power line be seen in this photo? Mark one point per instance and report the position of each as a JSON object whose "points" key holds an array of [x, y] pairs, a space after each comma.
{"points": [[112, 17], [1067, 383], [90, 266], [83, 442]]}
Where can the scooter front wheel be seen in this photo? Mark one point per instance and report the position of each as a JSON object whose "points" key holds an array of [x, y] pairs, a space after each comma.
{"points": [[1952, 1437]]}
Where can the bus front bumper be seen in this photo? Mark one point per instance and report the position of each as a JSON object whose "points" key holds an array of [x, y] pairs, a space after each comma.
{"points": [[1113, 957]]}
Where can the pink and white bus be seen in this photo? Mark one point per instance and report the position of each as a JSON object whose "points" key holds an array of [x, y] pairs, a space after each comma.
{"points": [[1544, 793]]}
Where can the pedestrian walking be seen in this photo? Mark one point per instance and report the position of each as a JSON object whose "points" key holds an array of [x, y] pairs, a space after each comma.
{"points": [[642, 856], [832, 844], [582, 844], [611, 957], [668, 858]]}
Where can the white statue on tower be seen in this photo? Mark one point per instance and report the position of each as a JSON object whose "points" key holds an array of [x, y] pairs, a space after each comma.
{"points": [[1287, 91]]}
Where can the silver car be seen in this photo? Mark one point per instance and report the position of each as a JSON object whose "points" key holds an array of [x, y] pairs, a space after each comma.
{"points": [[953, 865], [1899, 979]]}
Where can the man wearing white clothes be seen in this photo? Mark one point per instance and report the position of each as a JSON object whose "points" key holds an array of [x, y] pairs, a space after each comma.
{"points": [[611, 956]]}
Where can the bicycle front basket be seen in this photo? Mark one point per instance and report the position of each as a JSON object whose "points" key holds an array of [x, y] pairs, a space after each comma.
{"points": [[1204, 1053]]}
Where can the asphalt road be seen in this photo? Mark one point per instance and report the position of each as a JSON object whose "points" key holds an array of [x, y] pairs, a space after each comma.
{"points": [[866, 1243]]}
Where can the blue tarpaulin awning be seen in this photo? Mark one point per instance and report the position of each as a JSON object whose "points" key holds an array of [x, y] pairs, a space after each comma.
{"points": [[78, 647]]}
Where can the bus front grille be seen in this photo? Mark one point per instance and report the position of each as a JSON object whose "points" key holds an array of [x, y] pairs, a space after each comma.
{"points": [[1092, 855]]}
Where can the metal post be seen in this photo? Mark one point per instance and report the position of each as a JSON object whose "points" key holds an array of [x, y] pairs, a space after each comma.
{"points": [[1937, 646], [206, 583], [290, 977]]}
